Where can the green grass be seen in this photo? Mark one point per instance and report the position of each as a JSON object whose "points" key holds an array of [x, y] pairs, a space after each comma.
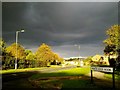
{"points": [[63, 84], [26, 69], [110, 76], [61, 80], [69, 72], [20, 70], [76, 84], [71, 82], [57, 79]]}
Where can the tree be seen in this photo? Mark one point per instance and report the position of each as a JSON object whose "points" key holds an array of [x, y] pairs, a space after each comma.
{"points": [[2, 46], [30, 56], [110, 50], [113, 40], [30, 59], [88, 60], [7, 58], [46, 55], [57, 59], [12, 50], [27, 52]]}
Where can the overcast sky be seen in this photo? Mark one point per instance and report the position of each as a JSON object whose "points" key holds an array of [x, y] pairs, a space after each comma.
{"points": [[60, 25]]}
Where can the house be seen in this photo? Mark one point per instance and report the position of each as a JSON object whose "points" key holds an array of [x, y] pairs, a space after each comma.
{"points": [[100, 59], [74, 60]]}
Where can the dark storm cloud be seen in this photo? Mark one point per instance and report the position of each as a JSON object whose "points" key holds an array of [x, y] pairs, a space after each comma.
{"points": [[60, 23]]}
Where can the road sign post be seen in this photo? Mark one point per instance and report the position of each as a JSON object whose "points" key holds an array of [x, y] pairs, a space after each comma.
{"points": [[113, 77], [91, 76], [104, 69]]}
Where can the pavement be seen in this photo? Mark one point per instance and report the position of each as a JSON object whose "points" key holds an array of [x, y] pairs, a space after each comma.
{"points": [[98, 75]]}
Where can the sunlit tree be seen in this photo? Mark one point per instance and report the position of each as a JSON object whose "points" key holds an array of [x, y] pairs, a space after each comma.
{"points": [[45, 54], [7, 58], [57, 58], [27, 51], [113, 40], [113, 44], [12, 50], [2, 46], [30, 56]]}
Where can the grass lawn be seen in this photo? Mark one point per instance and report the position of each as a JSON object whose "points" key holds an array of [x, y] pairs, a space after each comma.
{"points": [[20, 70], [117, 77], [69, 72], [60, 78], [63, 79], [26, 69], [65, 83]]}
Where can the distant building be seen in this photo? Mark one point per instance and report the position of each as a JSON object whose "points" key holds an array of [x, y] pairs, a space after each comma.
{"points": [[73, 60], [96, 58], [102, 59]]}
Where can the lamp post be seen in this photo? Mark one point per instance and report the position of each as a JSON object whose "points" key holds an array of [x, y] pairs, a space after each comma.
{"points": [[22, 30], [81, 62]]}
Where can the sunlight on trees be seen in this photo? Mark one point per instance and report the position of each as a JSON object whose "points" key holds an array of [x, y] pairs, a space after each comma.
{"points": [[12, 50], [113, 45], [113, 41], [45, 54], [2, 45]]}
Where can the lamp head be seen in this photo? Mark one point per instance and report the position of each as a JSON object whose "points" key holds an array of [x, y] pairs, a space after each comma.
{"points": [[75, 45], [22, 30]]}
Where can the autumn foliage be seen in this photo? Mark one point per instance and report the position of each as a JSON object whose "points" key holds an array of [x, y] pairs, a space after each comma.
{"points": [[113, 41], [44, 56], [20, 51], [113, 45]]}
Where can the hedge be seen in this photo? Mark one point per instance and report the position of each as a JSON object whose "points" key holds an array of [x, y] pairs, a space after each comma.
{"points": [[10, 64]]}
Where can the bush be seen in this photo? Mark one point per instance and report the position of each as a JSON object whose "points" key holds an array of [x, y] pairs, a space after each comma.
{"points": [[10, 63], [21, 64], [88, 60]]}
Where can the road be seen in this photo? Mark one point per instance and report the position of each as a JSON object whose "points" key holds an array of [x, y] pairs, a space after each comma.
{"points": [[49, 70]]}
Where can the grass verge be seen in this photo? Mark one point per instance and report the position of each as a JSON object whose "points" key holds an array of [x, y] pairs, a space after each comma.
{"points": [[69, 72], [20, 70], [117, 77], [62, 79], [26, 69]]}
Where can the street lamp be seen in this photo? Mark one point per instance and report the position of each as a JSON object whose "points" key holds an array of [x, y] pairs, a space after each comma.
{"points": [[81, 62], [22, 31]]}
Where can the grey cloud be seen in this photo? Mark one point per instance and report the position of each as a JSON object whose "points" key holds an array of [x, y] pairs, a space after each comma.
{"points": [[73, 51], [57, 23]]}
